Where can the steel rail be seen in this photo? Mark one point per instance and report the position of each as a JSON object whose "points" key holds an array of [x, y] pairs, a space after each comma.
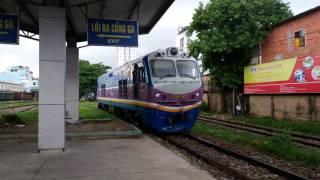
{"points": [[29, 108], [280, 171], [229, 171]]}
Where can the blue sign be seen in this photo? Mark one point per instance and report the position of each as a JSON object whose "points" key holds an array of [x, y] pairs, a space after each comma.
{"points": [[9, 29], [107, 32]]}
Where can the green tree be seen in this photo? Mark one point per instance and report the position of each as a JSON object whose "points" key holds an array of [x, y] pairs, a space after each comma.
{"points": [[89, 74], [227, 31]]}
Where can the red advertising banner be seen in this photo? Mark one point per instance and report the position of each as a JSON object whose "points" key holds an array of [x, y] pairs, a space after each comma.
{"points": [[294, 75]]}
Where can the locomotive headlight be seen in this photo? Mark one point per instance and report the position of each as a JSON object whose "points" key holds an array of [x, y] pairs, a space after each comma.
{"points": [[197, 94], [174, 51], [158, 95]]}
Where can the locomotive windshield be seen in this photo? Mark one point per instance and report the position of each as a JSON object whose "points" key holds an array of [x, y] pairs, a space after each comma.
{"points": [[163, 68], [187, 68]]}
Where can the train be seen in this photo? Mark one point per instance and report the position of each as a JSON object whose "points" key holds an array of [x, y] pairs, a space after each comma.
{"points": [[10, 96], [161, 91]]}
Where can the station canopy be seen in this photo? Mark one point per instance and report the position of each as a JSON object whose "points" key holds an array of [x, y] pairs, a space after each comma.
{"points": [[146, 12]]}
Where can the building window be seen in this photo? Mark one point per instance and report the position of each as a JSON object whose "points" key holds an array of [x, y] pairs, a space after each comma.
{"points": [[300, 39]]}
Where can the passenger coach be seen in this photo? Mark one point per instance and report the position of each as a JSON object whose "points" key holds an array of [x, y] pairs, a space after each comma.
{"points": [[163, 89]]}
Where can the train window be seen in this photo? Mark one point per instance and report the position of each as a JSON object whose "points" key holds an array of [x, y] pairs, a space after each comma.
{"points": [[120, 76], [187, 68], [163, 68], [142, 74], [127, 74]]}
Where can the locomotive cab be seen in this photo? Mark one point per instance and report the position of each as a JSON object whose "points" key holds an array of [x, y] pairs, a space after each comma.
{"points": [[175, 78]]}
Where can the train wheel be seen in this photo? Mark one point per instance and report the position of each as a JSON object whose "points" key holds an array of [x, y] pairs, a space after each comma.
{"points": [[121, 113], [126, 115], [117, 111], [131, 117], [113, 110]]}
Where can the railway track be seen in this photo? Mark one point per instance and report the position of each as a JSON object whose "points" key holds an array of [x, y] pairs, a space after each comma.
{"points": [[17, 106], [311, 141], [241, 166], [14, 109], [29, 108]]}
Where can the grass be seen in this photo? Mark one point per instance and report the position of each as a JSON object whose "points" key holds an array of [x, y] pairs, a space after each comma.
{"points": [[304, 127], [204, 107], [11, 119], [280, 145], [9, 102], [88, 110], [28, 116]]}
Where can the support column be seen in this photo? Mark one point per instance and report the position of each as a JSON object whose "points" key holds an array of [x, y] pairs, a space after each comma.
{"points": [[72, 85], [52, 67]]}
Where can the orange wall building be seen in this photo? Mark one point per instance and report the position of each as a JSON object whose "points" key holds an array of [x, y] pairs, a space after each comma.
{"points": [[294, 37], [298, 36]]}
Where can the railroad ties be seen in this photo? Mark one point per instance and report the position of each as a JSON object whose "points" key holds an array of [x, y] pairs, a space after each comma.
{"points": [[230, 162]]}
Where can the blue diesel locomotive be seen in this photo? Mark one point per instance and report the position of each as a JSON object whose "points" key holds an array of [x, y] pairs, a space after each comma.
{"points": [[162, 88]]}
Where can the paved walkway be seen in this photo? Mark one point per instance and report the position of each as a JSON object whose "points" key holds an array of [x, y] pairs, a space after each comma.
{"points": [[110, 159]]}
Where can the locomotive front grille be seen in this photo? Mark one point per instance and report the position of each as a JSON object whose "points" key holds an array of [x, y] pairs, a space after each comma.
{"points": [[176, 118]]}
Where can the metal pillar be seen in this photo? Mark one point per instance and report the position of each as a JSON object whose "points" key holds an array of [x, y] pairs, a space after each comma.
{"points": [[72, 85], [52, 67]]}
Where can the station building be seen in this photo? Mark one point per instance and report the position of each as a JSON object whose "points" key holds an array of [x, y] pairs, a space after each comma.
{"points": [[11, 87], [21, 75], [298, 36], [182, 40]]}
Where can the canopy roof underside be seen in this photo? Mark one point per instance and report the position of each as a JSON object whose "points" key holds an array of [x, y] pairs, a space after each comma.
{"points": [[146, 12]]}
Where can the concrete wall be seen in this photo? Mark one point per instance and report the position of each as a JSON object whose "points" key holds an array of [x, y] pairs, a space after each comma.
{"points": [[316, 113], [205, 98], [293, 107], [260, 106], [218, 102]]}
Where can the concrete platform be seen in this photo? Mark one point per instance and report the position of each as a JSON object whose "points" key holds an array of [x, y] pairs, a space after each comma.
{"points": [[110, 159]]}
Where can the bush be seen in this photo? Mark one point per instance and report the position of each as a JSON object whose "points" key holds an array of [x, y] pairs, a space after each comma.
{"points": [[204, 107], [11, 119]]}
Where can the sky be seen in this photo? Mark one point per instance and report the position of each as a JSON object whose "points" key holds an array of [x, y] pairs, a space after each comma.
{"points": [[163, 35]]}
